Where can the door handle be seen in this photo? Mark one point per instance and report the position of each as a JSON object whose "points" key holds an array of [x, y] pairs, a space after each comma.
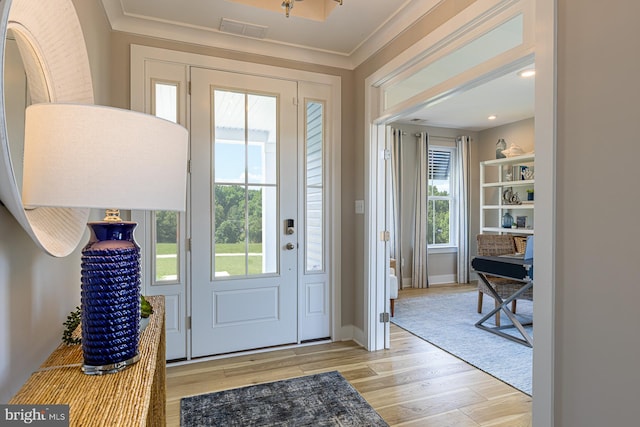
{"points": [[290, 246]]}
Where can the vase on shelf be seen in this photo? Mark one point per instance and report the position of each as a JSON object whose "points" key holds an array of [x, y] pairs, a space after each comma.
{"points": [[507, 220], [500, 146]]}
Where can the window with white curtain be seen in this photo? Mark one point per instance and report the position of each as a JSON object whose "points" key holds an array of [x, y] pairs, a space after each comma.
{"points": [[442, 226]]}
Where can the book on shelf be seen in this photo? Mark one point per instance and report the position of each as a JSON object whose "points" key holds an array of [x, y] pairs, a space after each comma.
{"points": [[519, 172]]}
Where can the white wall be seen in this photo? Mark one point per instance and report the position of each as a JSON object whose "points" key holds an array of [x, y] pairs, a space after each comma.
{"points": [[36, 294], [597, 288], [37, 291], [520, 133]]}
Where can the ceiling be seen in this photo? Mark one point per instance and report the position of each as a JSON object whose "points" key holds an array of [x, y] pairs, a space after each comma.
{"points": [[509, 98], [339, 41]]}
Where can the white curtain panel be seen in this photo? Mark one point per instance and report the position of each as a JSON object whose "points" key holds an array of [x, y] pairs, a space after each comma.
{"points": [[462, 144], [420, 276], [396, 201]]}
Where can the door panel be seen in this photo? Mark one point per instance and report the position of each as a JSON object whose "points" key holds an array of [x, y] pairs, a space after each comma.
{"points": [[244, 188]]}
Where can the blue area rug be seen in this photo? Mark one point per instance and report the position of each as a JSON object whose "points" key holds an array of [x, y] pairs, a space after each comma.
{"points": [[448, 321], [325, 399]]}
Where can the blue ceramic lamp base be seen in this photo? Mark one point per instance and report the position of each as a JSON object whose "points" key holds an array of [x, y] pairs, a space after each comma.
{"points": [[110, 299]]}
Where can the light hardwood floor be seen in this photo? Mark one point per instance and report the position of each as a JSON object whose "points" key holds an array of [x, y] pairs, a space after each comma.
{"points": [[412, 384]]}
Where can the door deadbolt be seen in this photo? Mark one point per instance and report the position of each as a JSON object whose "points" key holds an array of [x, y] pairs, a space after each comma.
{"points": [[289, 226]]}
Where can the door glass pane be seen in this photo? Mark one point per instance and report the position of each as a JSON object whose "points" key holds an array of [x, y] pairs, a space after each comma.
{"points": [[262, 139], [166, 249], [166, 223], [230, 243], [230, 136], [314, 191], [246, 232], [263, 230], [166, 101]]}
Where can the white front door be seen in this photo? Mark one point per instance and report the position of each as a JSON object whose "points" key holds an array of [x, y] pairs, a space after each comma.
{"points": [[244, 201]]}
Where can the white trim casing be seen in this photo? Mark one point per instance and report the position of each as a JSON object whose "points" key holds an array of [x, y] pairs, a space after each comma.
{"points": [[545, 143], [140, 54], [545, 188]]}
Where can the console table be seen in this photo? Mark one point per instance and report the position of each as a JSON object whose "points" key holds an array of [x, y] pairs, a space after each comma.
{"points": [[133, 397]]}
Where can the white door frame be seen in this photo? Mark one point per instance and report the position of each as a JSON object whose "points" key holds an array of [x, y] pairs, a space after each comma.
{"points": [[545, 144], [142, 54]]}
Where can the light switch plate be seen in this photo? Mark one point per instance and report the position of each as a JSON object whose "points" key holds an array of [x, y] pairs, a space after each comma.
{"points": [[359, 206]]}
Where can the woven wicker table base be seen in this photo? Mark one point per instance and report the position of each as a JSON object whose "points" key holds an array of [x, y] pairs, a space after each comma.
{"points": [[133, 397]]}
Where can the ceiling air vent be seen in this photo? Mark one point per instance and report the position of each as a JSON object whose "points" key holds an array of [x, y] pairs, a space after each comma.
{"points": [[243, 28]]}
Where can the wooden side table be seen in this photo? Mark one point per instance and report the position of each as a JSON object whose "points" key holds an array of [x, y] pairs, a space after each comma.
{"points": [[133, 397]]}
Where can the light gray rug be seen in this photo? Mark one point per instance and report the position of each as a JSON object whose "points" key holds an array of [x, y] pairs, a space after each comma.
{"points": [[448, 321], [319, 400]]}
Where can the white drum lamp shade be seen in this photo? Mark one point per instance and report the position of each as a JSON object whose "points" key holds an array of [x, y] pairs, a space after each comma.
{"points": [[101, 157], [79, 155]]}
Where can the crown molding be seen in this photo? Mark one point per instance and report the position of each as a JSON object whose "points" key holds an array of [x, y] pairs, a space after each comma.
{"points": [[408, 13]]}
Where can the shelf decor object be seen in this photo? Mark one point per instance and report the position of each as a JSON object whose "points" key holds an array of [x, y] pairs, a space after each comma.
{"points": [[509, 197], [80, 155], [507, 220], [501, 145], [530, 195]]}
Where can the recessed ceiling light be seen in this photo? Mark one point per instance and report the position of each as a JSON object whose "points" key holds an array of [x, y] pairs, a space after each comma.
{"points": [[492, 117], [530, 72]]}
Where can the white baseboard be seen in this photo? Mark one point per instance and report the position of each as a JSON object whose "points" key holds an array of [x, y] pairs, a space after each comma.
{"points": [[352, 333], [359, 336], [442, 279]]}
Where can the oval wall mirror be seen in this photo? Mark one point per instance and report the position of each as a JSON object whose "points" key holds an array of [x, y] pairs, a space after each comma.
{"points": [[44, 60]]}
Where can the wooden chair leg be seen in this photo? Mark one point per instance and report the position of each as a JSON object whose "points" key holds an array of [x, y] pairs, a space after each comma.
{"points": [[392, 304], [480, 297], [513, 306]]}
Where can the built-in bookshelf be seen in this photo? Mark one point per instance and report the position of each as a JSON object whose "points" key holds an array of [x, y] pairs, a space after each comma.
{"points": [[505, 185]]}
